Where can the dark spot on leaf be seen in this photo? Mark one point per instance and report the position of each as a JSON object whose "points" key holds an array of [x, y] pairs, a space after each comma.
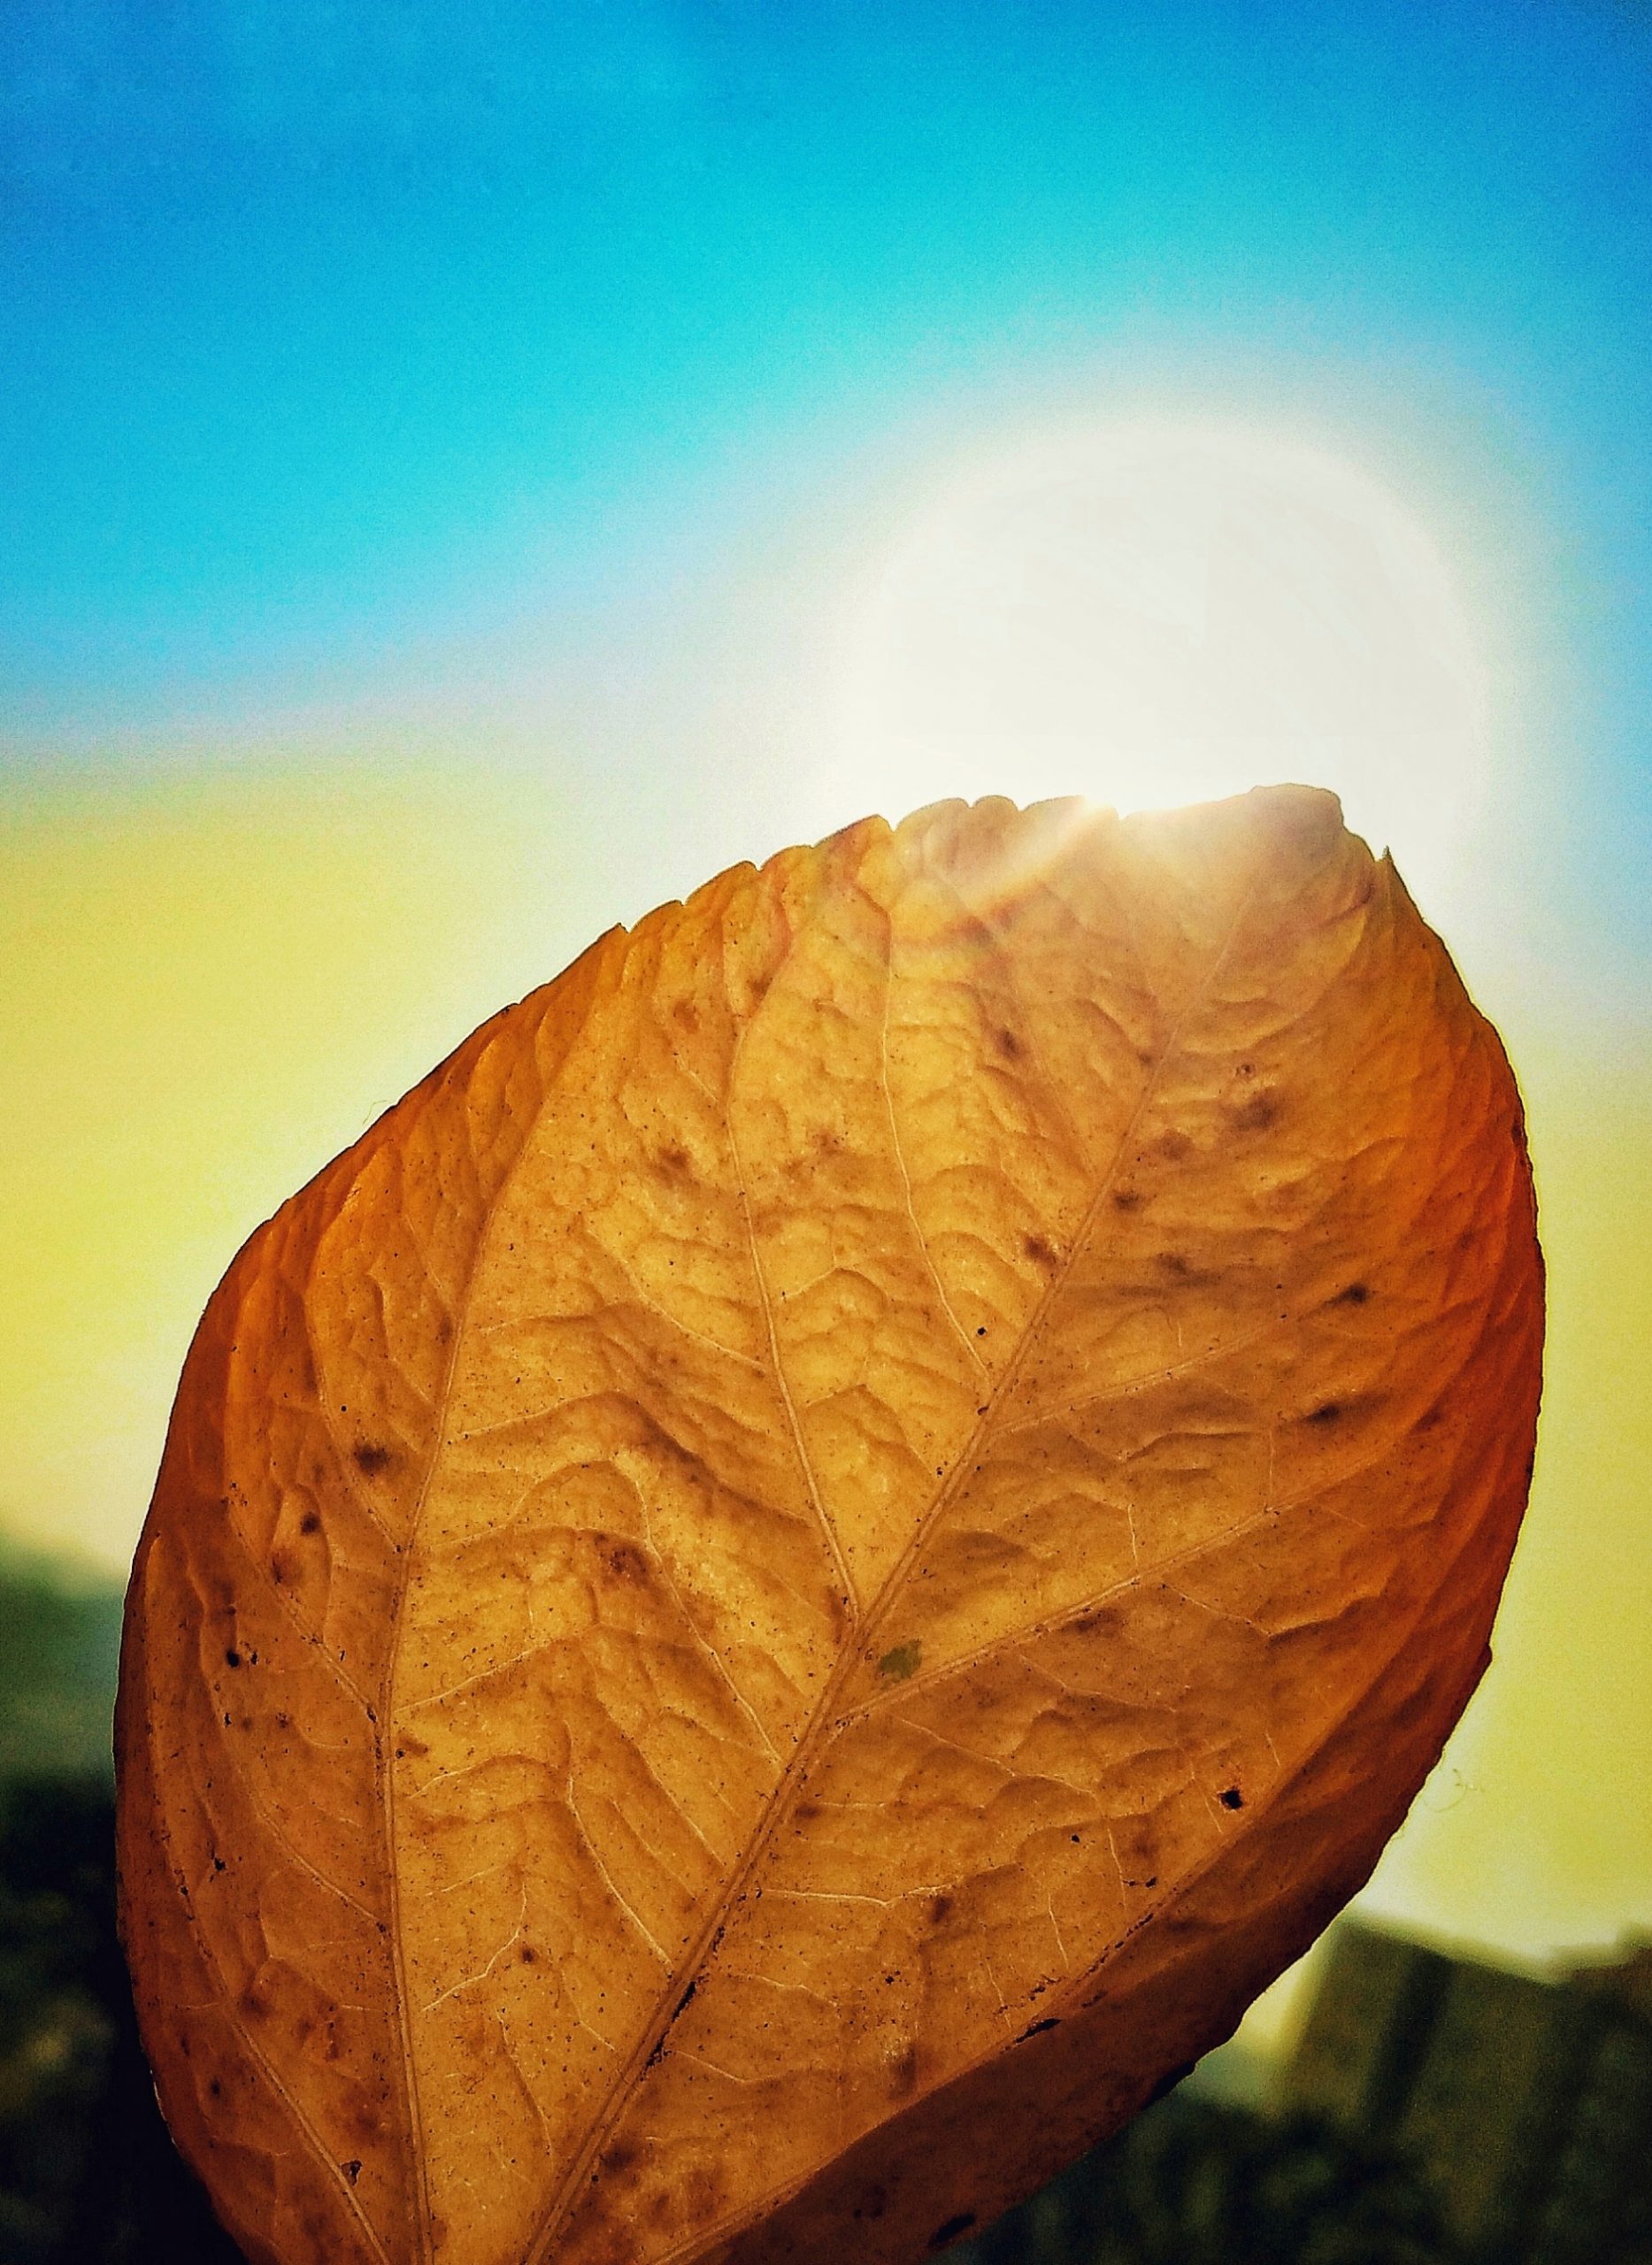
{"points": [[982, 1331], [620, 2156], [1174, 1263], [370, 1460], [1232, 1798], [1008, 1044], [674, 1160], [940, 1908], [949, 2229], [218, 1865], [232, 1657], [1326, 1412], [1127, 1199], [902, 1661], [529, 1955], [310, 1523], [1261, 1110], [1050, 2020], [279, 1567], [703, 2194], [1039, 1251], [1174, 1144], [686, 1997], [1356, 1294], [215, 2088], [352, 2170], [622, 1560]]}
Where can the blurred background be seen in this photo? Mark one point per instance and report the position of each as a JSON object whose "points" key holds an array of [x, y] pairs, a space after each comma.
{"points": [[470, 474]]}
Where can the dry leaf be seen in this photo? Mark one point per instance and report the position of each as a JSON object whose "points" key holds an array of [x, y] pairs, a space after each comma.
{"points": [[798, 1576]]}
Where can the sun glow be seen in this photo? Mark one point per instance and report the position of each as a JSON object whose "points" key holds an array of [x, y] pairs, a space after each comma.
{"points": [[1153, 614]]}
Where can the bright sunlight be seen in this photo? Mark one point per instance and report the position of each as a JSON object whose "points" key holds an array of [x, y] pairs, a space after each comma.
{"points": [[1151, 614]]}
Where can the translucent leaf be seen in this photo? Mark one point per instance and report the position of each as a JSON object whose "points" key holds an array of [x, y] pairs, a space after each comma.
{"points": [[801, 1573]]}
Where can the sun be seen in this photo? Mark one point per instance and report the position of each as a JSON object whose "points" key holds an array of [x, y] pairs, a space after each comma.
{"points": [[1147, 614]]}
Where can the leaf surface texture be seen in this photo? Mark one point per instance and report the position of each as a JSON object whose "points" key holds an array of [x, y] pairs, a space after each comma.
{"points": [[804, 1570]]}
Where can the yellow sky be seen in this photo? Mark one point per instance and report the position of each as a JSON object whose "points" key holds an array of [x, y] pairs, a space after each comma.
{"points": [[214, 979], [212, 982]]}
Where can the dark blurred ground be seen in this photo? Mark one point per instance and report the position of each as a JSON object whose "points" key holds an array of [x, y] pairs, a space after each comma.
{"points": [[87, 2174], [59, 1650]]}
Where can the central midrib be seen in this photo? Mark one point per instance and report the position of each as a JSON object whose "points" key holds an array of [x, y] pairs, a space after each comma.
{"points": [[821, 1719]]}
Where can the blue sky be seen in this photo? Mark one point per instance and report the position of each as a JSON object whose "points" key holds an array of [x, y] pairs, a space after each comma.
{"points": [[336, 335], [307, 305]]}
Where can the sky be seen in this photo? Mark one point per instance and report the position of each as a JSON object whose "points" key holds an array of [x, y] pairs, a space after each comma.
{"points": [[468, 475]]}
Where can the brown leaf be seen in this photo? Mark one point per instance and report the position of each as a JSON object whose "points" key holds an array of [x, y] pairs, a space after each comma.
{"points": [[806, 1568]]}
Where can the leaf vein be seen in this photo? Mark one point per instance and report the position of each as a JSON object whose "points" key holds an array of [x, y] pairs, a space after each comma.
{"points": [[821, 1725], [958, 1330]]}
